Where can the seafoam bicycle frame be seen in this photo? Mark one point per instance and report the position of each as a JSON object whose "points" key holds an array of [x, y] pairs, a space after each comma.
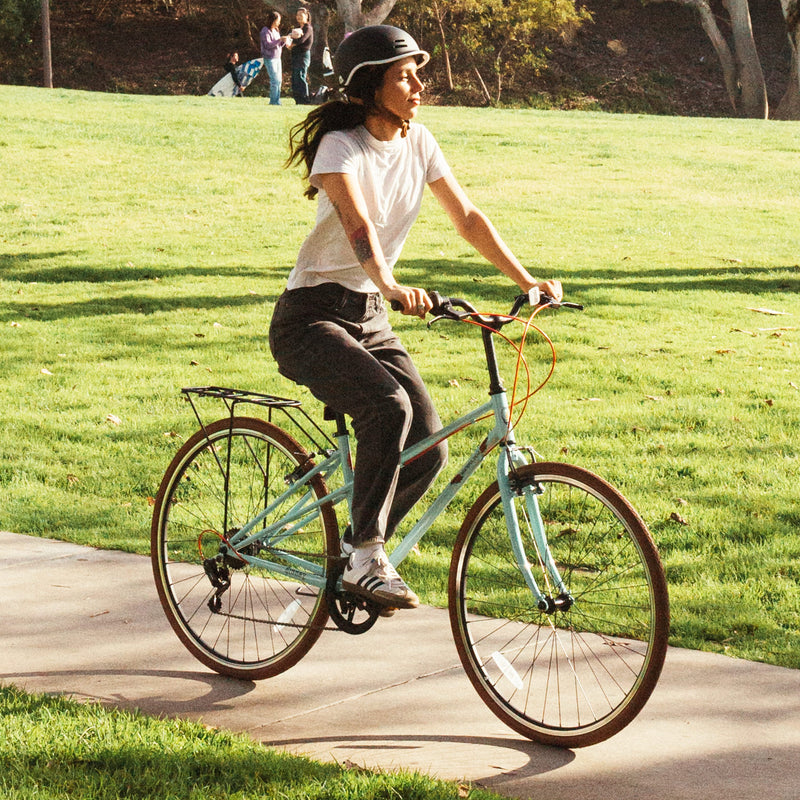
{"points": [[305, 507]]}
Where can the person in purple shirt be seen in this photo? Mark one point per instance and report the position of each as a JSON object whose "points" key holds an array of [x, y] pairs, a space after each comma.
{"points": [[272, 44]]}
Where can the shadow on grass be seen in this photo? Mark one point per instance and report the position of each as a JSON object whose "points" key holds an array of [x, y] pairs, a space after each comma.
{"points": [[20, 267], [469, 279], [448, 277], [116, 755], [128, 304]]}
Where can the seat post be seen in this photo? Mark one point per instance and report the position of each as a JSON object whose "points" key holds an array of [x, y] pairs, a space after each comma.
{"points": [[334, 416]]}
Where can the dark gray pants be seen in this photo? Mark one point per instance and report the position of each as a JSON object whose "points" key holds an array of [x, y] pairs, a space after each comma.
{"points": [[340, 345]]}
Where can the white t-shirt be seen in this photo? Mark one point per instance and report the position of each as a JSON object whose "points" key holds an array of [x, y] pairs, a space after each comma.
{"points": [[392, 176]]}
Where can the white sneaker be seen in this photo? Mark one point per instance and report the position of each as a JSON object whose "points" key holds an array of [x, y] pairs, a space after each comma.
{"points": [[378, 580]]}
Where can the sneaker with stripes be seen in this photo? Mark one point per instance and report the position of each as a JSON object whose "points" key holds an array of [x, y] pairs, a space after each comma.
{"points": [[375, 578]]}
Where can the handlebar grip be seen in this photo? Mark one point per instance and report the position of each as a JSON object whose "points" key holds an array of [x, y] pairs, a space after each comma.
{"points": [[437, 300]]}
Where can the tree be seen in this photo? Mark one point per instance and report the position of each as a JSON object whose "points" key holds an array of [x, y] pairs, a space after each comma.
{"points": [[501, 41], [509, 33], [789, 107], [739, 59], [17, 19]]}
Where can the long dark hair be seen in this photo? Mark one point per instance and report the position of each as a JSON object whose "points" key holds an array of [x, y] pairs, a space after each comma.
{"points": [[335, 115]]}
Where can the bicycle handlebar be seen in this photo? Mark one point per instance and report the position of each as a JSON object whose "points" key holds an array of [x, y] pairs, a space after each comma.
{"points": [[446, 307]]}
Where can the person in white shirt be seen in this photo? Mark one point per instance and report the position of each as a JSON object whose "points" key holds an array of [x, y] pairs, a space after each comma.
{"points": [[369, 166]]}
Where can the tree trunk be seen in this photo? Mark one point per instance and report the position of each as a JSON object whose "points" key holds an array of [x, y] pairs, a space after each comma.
{"points": [[789, 107], [354, 17], [720, 45], [439, 14], [726, 59], [486, 94], [47, 56], [498, 69], [751, 78]]}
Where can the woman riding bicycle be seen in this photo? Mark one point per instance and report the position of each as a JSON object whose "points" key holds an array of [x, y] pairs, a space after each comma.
{"points": [[330, 330]]}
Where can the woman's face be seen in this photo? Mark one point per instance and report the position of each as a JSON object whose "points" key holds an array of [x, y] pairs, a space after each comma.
{"points": [[277, 23], [302, 17], [401, 89]]}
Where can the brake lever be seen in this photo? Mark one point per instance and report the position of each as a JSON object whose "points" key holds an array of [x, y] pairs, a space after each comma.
{"points": [[546, 300]]}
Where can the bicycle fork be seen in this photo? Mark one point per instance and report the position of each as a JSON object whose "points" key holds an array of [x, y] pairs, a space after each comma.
{"points": [[555, 596]]}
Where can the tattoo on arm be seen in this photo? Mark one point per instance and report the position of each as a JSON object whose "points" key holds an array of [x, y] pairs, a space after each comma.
{"points": [[359, 239]]}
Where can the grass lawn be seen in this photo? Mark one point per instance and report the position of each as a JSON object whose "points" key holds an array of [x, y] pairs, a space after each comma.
{"points": [[53, 749], [143, 242]]}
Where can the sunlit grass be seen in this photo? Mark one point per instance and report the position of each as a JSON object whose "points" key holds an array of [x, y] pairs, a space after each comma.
{"points": [[143, 242]]}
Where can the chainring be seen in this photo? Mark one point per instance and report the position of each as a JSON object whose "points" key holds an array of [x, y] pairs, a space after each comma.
{"points": [[350, 613]]}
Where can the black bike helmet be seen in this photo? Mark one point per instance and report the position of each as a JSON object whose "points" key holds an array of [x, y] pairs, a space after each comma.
{"points": [[373, 45]]}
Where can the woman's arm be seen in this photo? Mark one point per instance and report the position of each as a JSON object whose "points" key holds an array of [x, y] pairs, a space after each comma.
{"points": [[474, 226], [347, 198]]}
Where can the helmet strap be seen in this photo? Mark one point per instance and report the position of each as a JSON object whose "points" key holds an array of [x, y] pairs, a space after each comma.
{"points": [[381, 111], [395, 119]]}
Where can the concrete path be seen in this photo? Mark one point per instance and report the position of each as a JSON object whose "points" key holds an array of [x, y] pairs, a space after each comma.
{"points": [[87, 624]]}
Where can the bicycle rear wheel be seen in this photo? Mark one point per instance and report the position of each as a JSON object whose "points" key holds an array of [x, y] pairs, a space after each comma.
{"points": [[571, 676], [239, 619]]}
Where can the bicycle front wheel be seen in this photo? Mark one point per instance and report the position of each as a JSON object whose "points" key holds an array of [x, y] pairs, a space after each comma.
{"points": [[240, 619], [575, 673]]}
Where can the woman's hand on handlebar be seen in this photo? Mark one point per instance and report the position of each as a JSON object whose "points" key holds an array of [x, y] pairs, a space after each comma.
{"points": [[551, 289], [409, 300]]}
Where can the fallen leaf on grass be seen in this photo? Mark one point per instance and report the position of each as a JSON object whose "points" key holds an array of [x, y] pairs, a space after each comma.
{"points": [[742, 330], [770, 402], [724, 350], [113, 419], [768, 311], [454, 383], [45, 371], [794, 385], [617, 47], [652, 397], [676, 517]]}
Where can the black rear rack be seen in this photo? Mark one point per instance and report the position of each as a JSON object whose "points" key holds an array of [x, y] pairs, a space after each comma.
{"points": [[291, 410]]}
